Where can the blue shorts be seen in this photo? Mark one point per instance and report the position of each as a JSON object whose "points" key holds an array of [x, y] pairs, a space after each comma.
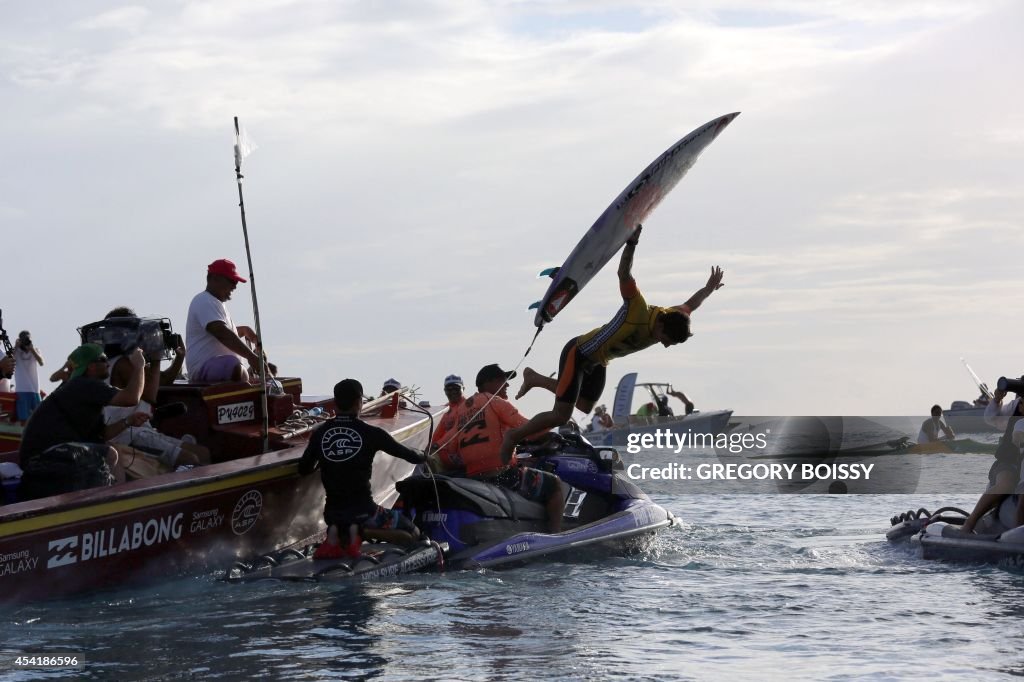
{"points": [[25, 404]]}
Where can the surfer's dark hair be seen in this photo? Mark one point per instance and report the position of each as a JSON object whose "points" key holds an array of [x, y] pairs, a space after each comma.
{"points": [[676, 326], [347, 394], [936, 411]]}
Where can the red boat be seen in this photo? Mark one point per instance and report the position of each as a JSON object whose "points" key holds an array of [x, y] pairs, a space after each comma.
{"points": [[248, 502]]}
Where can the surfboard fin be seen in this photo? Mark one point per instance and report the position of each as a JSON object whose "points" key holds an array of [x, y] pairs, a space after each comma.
{"points": [[549, 272], [534, 305]]}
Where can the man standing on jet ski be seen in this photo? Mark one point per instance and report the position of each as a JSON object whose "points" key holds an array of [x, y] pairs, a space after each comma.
{"points": [[343, 449], [581, 369]]}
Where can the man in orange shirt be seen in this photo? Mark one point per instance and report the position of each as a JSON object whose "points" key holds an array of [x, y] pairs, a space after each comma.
{"points": [[581, 369], [485, 418], [443, 442]]}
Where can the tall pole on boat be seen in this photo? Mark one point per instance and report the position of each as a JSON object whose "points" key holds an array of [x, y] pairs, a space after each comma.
{"points": [[242, 149]]}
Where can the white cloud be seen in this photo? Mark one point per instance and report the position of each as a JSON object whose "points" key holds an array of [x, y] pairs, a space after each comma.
{"points": [[129, 18], [419, 162]]}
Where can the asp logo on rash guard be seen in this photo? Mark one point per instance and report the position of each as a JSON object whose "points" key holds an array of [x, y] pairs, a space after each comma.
{"points": [[340, 444]]}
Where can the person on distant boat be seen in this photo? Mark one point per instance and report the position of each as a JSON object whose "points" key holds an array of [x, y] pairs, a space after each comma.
{"points": [[681, 396], [648, 409], [581, 368], [131, 425], [931, 428], [343, 449], [981, 400], [216, 350], [601, 421], [443, 444], [1004, 474], [483, 421], [27, 361], [62, 447]]}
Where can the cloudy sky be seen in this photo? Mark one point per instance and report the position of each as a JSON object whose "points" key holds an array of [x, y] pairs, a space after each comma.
{"points": [[419, 163]]}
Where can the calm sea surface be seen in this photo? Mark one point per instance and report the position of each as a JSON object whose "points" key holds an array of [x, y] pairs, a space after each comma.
{"points": [[750, 586]]}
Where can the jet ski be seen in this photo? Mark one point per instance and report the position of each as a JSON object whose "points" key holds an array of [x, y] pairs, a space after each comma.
{"points": [[938, 535], [485, 525], [376, 561]]}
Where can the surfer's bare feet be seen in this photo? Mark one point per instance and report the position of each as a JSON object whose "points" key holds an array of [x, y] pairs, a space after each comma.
{"points": [[529, 381]]}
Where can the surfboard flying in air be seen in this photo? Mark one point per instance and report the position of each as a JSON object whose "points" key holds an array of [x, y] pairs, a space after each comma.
{"points": [[631, 208]]}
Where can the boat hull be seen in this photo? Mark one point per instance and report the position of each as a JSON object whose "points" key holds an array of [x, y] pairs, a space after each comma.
{"points": [[968, 420], [188, 522], [630, 530]]}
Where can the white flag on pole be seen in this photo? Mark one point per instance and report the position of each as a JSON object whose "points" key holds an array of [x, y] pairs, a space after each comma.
{"points": [[244, 146]]}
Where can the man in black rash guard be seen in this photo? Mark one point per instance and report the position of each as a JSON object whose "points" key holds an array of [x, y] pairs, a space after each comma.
{"points": [[343, 449]]}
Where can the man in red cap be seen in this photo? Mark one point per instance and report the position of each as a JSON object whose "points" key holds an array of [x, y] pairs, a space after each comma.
{"points": [[215, 350]]}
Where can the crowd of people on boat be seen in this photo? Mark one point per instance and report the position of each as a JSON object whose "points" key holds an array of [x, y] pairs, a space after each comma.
{"points": [[101, 414]]}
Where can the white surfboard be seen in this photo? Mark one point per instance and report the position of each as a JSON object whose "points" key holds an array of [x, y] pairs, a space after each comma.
{"points": [[631, 208]]}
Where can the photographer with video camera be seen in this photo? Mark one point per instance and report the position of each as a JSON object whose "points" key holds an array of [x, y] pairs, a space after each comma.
{"points": [[63, 446], [131, 426], [1005, 473], [27, 361]]}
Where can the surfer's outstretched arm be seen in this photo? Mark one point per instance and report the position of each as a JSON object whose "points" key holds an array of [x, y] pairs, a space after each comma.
{"points": [[714, 284], [626, 261]]}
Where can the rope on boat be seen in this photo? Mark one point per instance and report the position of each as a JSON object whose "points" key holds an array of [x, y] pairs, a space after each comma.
{"points": [[923, 513], [495, 394]]}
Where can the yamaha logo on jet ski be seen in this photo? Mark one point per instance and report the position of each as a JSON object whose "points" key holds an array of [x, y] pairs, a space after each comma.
{"points": [[517, 547], [341, 443]]}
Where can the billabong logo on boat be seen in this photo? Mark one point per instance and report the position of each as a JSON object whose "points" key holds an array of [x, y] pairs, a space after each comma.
{"points": [[63, 558], [340, 444], [246, 512], [110, 540]]}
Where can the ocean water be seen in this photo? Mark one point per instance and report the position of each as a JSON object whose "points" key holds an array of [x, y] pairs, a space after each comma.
{"points": [[748, 586]]}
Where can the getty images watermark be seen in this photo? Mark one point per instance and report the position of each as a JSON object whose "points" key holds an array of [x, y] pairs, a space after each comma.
{"points": [[804, 452]]}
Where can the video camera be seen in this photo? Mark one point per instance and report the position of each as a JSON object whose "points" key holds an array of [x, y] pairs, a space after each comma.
{"points": [[122, 335], [1011, 385]]}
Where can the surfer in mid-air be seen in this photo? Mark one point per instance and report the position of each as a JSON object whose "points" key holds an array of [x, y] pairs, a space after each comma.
{"points": [[581, 368]]}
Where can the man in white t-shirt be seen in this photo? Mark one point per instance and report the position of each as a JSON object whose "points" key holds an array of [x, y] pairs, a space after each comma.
{"points": [[215, 350], [26, 376]]}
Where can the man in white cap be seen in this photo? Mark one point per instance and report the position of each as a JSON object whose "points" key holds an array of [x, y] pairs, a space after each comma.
{"points": [[443, 441], [215, 349]]}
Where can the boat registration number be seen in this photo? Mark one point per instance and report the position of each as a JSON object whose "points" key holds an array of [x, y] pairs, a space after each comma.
{"points": [[236, 412]]}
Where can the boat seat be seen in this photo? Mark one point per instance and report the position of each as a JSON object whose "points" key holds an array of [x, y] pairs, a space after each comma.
{"points": [[466, 493]]}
